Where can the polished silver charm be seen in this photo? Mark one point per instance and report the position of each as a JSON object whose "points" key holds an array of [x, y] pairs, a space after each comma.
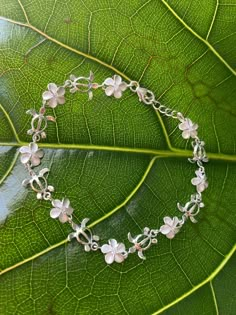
{"points": [[142, 241], [84, 236], [39, 184]]}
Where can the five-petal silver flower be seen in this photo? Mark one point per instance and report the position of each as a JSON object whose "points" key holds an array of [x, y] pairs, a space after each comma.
{"points": [[54, 95], [189, 128], [200, 181], [114, 252], [115, 86], [61, 210], [31, 154], [171, 227]]}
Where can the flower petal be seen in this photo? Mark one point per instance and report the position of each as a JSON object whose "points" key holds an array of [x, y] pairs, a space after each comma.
{"points": [[52, 102], [54, 213], [113, 243], [63, 217], [25, 149], [109, 81], [119, 258], [40, 153], [196, 181], [61, 100], [189, 123], [175, 221], [52, 87], [193, 133], [120, 248], [109, 258], [123, 86], [69, 210], [106, 248], [33, 147], [168, 220], [35, 161], [186, 134], [117, 79], [202, 186], [195, 127], [117, 94], [165, 229], [60, 91], [65, 202], [47, 95], [25, 157], [171, 235], [57, 203], [109, 90]]}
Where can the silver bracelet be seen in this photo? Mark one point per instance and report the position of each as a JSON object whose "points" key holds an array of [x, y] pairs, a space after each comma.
{"points": [[31, 157]]}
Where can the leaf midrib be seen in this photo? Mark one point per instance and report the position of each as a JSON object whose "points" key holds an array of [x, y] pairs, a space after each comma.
{"points": [[172, 152], [155, 152], [206, 42]]}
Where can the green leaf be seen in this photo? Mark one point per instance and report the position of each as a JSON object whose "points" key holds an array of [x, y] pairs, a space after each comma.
{"points": [[119, 163]]}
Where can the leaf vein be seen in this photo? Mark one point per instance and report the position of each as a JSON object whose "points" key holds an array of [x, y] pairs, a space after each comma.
{"points": [[214, 51], [214, 298]]}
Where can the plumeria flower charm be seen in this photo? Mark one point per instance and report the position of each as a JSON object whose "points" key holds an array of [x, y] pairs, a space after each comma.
{"points": [[31, 154], [54, 95], [61, 210], [200, 181], [115, 86], [171, 227], [114, 252], [188, 127]]}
